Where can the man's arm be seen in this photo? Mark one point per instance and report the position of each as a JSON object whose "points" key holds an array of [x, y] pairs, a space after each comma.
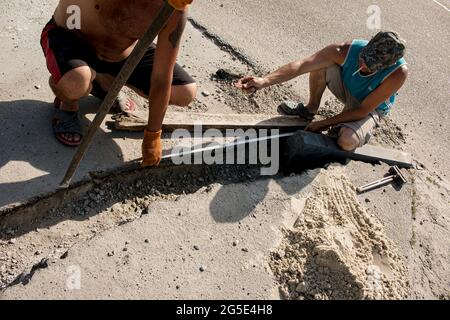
{"points": [[163, 64], [389, 87], [161, 85], [332, 54]]}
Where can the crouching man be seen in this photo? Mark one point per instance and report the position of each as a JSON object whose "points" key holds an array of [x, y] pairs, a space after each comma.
{"points": [[364, 75], [87, 58]]}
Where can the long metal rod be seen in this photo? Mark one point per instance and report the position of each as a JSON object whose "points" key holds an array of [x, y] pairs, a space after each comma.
{"points": [[234, 143], [376, 184], [388, 179], [121, 79]]}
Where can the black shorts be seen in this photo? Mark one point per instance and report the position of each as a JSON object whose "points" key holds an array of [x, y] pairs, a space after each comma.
{"points": [[65, 50]]}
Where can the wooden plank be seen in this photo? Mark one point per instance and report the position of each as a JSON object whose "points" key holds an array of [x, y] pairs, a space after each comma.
{"points": [[309, 148], [312, 150], [187, 120], [389, 156]]}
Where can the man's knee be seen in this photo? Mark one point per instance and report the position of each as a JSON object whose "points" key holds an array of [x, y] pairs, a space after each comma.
{"points": [[76, 83], [183, 95], [348, 140]]}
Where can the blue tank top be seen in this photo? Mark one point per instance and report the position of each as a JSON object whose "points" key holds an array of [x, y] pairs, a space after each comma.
{"points": [[360, 86]]}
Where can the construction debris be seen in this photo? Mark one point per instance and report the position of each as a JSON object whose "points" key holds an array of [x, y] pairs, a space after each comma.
{"points": [[25, 278]]}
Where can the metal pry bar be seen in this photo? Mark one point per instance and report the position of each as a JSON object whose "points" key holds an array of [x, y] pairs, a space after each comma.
{"points": [[139, 51]]}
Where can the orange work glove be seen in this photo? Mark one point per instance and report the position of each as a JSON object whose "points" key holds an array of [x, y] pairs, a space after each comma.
{"points": [[151, 149], [180, 4]]}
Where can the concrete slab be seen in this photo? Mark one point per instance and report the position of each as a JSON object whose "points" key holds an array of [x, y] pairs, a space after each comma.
{"points": [[416, 218], [218, 247]]}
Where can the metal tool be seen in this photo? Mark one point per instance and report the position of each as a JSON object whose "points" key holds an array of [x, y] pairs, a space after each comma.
{"points": [[164, 14], [395, 176]]}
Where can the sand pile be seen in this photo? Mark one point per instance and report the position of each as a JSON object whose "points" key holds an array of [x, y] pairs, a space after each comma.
{"points": [[337, 250]]}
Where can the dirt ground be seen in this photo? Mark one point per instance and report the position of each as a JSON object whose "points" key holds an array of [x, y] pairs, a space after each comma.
{"points": [[210, 232]]}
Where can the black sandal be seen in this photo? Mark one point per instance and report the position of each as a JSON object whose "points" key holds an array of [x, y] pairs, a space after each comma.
{"points": [[292, 108], [66, 122]]}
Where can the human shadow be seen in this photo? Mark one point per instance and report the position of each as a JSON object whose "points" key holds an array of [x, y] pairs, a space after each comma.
{"points": [[123, 185], [233, 203], [33, 162], [243, 188]]}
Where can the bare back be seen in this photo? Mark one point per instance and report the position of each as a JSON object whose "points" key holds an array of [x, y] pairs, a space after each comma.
{"points": [[112, 27]]}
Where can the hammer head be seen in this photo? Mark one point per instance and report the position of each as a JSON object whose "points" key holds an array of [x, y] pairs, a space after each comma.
{"points": [[399, 178]]}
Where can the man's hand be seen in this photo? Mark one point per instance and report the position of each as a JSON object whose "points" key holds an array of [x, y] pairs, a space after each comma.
{"points": [[251, 84], [151, 149], [317, 126], [180, 4]]}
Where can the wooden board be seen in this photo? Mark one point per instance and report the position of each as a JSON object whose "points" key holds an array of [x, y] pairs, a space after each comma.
{"points": [[389, 156], [187, 120], [312, 150], [306, 147]]}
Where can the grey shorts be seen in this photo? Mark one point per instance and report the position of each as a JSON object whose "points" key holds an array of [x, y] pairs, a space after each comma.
{"points": [[363, 128]]}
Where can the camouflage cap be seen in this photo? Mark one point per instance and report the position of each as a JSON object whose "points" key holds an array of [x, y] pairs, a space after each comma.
{"points": [[384, 50]]}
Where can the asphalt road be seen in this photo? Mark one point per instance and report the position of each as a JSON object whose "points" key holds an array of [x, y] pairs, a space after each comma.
{"points": [[275, 32], [270, 33]]}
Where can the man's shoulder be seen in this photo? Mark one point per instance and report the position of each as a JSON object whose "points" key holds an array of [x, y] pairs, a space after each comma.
{"points": [[359, 42], [401, 72], [343, 47], [83, 10], [341, 50]]}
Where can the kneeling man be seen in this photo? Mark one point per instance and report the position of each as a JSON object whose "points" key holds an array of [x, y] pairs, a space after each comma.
{"points": [[87, 58], [364, 75]]}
